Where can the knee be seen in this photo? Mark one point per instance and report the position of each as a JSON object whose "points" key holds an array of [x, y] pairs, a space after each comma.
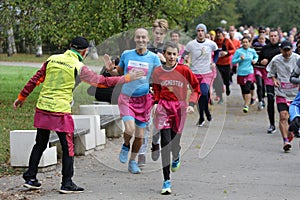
{"points": [[284, 116], [204, 89], [271, 98], [130, 131]]}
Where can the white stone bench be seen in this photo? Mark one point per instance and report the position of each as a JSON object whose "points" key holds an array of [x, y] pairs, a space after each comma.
{"points": [[85, 142], [21, 143], [109, 115], [88, 136]]}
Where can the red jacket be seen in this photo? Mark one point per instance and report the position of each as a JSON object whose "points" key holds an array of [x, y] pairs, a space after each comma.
{"points": [[230, 48]]}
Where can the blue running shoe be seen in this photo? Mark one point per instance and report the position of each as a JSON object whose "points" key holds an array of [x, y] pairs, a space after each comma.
{"points": [[175, 165], [124, 154], [133, 167], [166, 188]]}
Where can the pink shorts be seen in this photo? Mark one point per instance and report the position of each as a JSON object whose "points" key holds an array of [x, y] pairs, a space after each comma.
{"points": [[137, 107], [262, 72], [280, 99], [242, 80], [170, 114], [205, 78]]}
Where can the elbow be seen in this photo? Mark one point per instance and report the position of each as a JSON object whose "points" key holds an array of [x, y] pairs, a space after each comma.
{"points": [[293, 80]]}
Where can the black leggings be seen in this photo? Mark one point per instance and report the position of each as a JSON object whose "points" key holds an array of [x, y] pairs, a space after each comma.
{"points": [[260, 88], [271, 100], [169, 142], [41, 142], [247, 87], [223, 77]]}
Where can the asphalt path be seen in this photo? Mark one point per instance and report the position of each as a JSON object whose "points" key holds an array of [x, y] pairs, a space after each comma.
{"points": [[231, 157]]}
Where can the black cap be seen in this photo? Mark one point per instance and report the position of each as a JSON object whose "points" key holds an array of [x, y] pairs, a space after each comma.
{"points": [[286, 45], [219, 29], [80, 43]]}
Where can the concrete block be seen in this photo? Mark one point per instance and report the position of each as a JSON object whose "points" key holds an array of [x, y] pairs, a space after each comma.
{"points": [[21, 143], [115, 129], [86, 142], [99, 110]]}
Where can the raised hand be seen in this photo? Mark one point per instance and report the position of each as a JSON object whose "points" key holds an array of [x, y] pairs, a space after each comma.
{"points": [[109, 65]]}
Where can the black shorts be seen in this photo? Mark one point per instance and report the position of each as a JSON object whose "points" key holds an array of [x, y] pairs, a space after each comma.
{"points": [[282, 107]]}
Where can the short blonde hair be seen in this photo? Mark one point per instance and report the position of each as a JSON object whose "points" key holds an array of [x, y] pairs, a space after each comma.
{"points": [[161, 23]]}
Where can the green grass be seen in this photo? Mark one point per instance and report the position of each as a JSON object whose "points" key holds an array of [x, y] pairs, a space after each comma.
{"points": [[12, 81], [32, 58]]}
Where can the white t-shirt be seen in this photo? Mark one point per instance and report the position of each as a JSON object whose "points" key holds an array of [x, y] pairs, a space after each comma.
{"points": [[201, 55]]}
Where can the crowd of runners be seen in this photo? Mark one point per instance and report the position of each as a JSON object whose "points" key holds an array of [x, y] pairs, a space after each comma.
{"points": [[154, 98]]}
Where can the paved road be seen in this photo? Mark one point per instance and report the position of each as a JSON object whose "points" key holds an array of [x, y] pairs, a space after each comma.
{"points": [[245, 163]]}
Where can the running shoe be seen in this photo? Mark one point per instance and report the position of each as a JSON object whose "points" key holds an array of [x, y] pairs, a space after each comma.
{"points": [[166, 188], [175, 165], [287, 146], [209, 118], [133, 167], [245, 109], [155, 152], [260, 105], [201, 123], [32, 184], [253, 101], [141, 160], [221, 101], [271, 129], [227, 91], [70, 189], [123, 157]]}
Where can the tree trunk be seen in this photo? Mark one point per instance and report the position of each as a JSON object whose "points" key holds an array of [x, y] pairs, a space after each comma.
{"points": [[39, 51], [11, 45], [93, 50]]}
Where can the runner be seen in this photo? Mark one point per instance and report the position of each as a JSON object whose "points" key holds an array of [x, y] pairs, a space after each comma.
{"points": [[200, 50], [170, 83], [135, 101], [245, 57], [280, 69], [265, 56]]}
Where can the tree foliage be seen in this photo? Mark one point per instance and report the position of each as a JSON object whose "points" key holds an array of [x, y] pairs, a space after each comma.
{"points": [[58, 21], [275, 13]]}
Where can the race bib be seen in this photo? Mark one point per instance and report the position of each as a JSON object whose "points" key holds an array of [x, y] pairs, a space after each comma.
{"points": [[137, 65]]}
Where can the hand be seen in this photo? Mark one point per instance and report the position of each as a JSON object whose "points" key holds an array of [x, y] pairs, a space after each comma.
{"points": [[212, 66], [242, 57], [264, 61], [223, 53], [18, 103], [190, 109], [294, 127], [276, 82], [186, 58], [161, 57], [109, 65], [136, 74]]}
